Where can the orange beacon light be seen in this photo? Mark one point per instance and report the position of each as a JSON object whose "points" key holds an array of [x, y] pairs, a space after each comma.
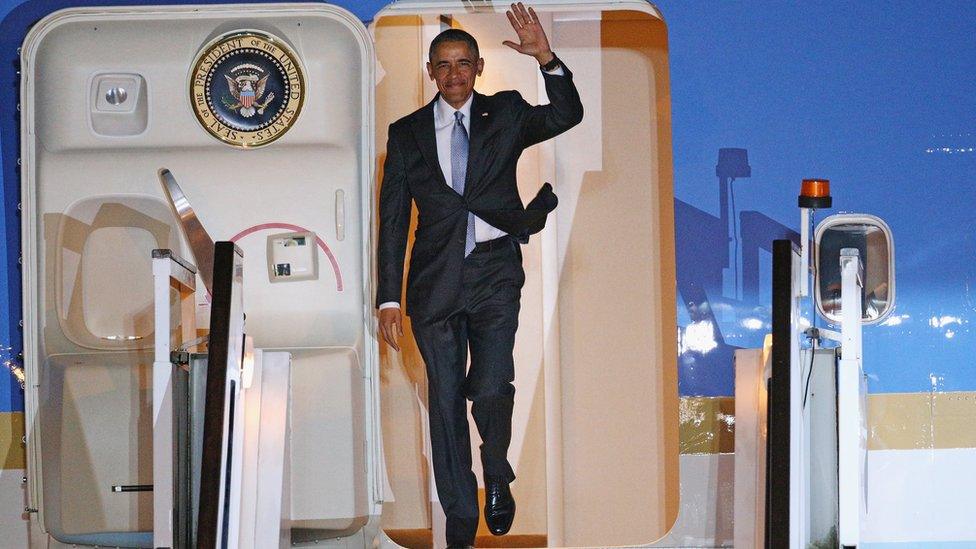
{"points": [[814, 194]]}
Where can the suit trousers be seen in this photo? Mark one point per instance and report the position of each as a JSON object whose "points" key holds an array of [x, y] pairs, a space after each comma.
{"points": [[485, 320]]}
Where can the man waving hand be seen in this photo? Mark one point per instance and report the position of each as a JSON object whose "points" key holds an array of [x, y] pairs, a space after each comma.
{"points": [[456, 158]]}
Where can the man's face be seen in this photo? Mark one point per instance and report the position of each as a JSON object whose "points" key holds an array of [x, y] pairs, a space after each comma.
{"points": [[454, 68]]}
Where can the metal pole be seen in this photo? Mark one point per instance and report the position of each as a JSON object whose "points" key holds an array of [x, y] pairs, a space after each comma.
{"points": [[851, 432]]}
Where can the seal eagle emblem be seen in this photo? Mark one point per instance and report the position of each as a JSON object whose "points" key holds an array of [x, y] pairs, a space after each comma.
{"points": [[247, 91], [247, 88]]}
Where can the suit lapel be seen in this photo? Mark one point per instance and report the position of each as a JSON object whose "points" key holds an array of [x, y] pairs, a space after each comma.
{"points": [[423, 129], [479, 123]]}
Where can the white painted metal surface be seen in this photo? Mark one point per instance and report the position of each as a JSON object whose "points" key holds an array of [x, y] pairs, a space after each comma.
{"points": [[167, 274], [266, 402], [750, 448], [251, 398], [799, 437], [926, 498], [851, 416], [329, 150], [233, 390], [805, 251], [851, 284]]}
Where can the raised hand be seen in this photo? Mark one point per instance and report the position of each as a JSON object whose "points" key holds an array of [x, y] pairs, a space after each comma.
{"points": [[532, 38]]}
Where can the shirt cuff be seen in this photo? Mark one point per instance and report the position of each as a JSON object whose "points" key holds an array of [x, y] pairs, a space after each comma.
{"points": [[558, 71], [389, 305]]}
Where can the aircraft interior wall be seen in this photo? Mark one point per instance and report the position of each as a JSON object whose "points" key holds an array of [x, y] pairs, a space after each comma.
{"points": [[593, 387], [92, 191]]}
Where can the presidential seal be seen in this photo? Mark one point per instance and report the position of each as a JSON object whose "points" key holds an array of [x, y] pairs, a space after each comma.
{"points": [[247, 88]]}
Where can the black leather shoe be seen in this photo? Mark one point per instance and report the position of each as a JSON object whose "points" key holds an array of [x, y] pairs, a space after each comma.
{"points": [[459, 546], [499, 506]]}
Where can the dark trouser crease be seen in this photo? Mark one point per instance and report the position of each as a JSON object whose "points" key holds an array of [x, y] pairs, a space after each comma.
{"points": [[487, 321]]}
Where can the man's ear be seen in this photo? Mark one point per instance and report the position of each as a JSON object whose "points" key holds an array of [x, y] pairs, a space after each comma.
{"points": [[481, 65], [430, 70]]}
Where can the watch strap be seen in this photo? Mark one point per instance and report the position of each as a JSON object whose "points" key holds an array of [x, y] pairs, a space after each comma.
{"points": [[552, 64]]}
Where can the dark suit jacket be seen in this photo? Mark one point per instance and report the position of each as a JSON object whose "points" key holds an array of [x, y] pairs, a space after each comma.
{"points": [[502, 126]]}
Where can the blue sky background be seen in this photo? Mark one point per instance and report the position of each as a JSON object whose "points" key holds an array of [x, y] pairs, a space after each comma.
{"points": [[857, 93]]}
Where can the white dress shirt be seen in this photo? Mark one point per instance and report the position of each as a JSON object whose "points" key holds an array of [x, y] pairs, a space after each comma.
{"points": [[443, 126]]}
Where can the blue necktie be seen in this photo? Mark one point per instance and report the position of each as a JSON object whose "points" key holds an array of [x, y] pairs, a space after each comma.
{"points": [[459, 170]]}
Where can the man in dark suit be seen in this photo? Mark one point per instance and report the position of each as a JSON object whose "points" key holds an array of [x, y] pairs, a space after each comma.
{"points": [[456, 158]]}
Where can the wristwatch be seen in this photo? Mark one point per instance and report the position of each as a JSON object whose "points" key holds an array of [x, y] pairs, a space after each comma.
{"points": [[552, 65]]}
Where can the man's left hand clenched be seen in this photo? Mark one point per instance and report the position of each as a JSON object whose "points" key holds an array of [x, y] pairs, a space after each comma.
{"points": [[532, 38]]}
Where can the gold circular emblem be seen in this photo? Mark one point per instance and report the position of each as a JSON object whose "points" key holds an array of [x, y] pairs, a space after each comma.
{"points": [[247, 88]]}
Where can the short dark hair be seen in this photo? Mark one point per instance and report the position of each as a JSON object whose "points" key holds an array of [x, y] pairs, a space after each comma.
{"points": [[453, 35]]}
